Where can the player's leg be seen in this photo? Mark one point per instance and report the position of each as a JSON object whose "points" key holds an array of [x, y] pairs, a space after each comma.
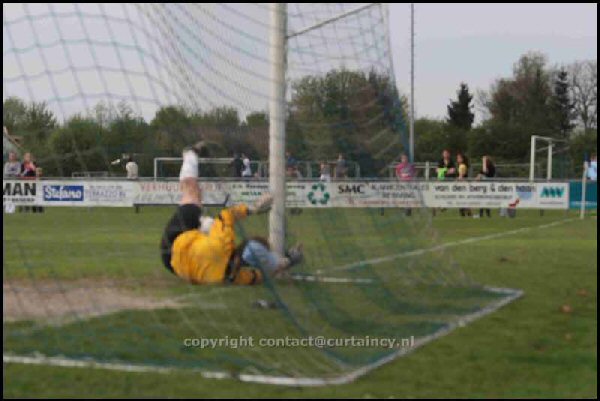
{"points": [[188, 177], [187, 215], [259, 262], [256, 253]]}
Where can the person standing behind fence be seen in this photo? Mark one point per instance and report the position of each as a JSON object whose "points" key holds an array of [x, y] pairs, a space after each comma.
{"points": [[12, 168], [131, 168], [446, 167], [463, 174], [592, 168], [28, 166], [488, 171], [237, 165], [325, 171], [405, 171], [247, 172], [28, 170], [341, 167]]}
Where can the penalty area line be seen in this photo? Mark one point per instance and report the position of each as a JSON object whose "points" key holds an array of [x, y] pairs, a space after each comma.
{"points": [[422, 251]]}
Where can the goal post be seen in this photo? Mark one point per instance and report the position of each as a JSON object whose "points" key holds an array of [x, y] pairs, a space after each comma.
{"points": [[550, 149], [277, 110]]}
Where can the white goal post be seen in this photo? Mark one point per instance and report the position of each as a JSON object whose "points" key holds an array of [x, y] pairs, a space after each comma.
{"points": [[534, 150]]}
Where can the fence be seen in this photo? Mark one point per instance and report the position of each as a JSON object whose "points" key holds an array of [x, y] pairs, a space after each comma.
{"points": [[300, 193]]}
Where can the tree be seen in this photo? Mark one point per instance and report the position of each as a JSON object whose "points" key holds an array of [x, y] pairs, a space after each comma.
{"points": [[224, 118], [561, 102], [584, 92], [77, 146], [257, 119], [14, 112], [519, 107], [460, 114], [582, 143], [32, 123], [351, 112], [431, 139], [172, 130]]}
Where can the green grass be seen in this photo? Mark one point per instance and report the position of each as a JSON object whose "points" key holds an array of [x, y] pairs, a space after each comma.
{"points": [[527, 349]]}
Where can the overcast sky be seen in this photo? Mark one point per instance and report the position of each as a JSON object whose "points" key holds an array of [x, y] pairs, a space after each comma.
{"points": [[477, 43], [207, 55]]}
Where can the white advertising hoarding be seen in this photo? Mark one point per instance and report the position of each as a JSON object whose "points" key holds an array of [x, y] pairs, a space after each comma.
{"points": [[442, 194]]}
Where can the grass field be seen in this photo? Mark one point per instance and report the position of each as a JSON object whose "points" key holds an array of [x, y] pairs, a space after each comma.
{"points": [[531, 348]]}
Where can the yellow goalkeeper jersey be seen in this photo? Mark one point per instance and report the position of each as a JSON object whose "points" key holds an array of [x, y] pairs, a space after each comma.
{"points": [[203, 259]]}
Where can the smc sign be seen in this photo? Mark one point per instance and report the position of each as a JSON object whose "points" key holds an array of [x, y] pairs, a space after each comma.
{"points": [[351, 189], [63, 193]]}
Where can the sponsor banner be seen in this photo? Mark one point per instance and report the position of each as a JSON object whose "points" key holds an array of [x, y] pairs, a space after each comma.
{"points": [[481, 194], [442, 194], [69, 193], [450, 194], [21, 192], [591, 195]]}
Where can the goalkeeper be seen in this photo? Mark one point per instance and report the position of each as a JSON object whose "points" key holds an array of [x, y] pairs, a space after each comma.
{"points": [[202, 250]]}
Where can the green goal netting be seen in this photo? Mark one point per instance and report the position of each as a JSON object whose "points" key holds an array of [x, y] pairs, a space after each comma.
{"points": [[86, 84]]}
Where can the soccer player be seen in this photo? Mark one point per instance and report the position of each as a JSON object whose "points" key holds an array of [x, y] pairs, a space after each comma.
{"points": [[202, 250]]}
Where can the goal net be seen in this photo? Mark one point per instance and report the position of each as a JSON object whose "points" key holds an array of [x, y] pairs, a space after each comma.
{"points": [[84, 286]]}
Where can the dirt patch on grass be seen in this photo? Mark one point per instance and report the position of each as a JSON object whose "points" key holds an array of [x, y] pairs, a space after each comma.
{"points": [[73, 300]]}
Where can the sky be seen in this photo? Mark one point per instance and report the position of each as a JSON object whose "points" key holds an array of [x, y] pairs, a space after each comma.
{"points": [[205, 55], [478, 43]]}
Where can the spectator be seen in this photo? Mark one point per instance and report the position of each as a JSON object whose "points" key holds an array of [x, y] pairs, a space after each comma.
{"points": [[132, 169], [488, 170], [237, 165], [28, 169], [446, 167], [463, 174], [28, 166], [12, 168], [405, 170], [247, 172], [325, 171], [291, 165], [463, 166], [592, 170], [341, 167]]}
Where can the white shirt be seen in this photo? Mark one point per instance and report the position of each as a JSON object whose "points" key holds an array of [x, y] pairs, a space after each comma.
{"points": [[132, 170], [247, 172], [593, 170], [12, 169]]}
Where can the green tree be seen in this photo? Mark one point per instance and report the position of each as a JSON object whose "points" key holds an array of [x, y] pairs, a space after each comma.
{"points": [[562, 104], [352, 112], [34, 126], [519, 107], [171, 131], [460, 114], [77, 146], [430, 139], [14, 112], [257, 119]]}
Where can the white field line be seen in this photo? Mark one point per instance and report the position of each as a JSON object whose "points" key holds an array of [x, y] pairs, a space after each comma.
{"points": [[334, 280], [422, 251], [64, 362]]}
